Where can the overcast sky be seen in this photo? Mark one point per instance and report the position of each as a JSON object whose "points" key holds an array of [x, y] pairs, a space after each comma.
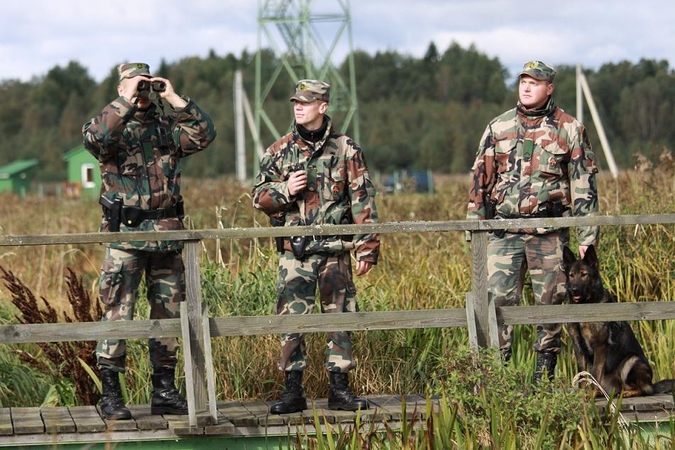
{"points": [[37, 35]]}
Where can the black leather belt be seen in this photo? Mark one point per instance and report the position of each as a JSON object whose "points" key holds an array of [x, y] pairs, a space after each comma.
{"points": [[132, 216], [322, 238]]}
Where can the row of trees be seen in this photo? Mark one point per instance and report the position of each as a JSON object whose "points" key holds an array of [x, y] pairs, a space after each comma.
{"points": [[419, 113]]}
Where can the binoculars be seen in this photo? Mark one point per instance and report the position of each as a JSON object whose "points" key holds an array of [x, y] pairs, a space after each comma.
{"points": [[149, 89]]}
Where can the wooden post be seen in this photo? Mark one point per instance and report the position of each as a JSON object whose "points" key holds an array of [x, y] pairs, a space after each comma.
{"points": [[479, 279], [208, 359], [193, 300]]}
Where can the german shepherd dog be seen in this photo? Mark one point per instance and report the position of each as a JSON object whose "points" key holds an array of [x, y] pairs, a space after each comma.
{"points": [[608, 350]]}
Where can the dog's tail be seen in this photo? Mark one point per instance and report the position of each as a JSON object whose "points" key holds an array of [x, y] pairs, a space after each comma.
{"points": [[664, 387]]}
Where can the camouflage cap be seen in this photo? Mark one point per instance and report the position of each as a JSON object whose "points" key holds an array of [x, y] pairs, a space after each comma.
{"points": [[309, 90], [130, 70], [539, 71]]}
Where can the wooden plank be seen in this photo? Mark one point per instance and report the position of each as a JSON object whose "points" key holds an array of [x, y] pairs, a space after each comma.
{"points": [[145, 420], [88, 331], [119, 425], [27, 420], [188, 362], [222, 427], [259, 414], [208, 364], [359, 321], [193, 298], [6, 422], [87, 419], [381, 228], [597, 312], [57, 420], [479, 278]]}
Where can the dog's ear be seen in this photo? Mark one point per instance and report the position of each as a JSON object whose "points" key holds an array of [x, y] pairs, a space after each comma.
{"points": [[568, 257], [591, 258]]}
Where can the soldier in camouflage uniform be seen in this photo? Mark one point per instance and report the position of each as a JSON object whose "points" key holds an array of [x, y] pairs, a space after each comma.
{"points": [[313, 176], [139, 150], [533, 161]]}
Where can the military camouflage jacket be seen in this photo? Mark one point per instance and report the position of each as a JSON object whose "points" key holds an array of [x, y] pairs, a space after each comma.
{"points": [[338, 186], [139, 154], [527, 158]]}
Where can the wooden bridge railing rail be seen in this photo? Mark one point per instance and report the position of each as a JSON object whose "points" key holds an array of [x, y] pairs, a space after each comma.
{"points": [[196, 327]]}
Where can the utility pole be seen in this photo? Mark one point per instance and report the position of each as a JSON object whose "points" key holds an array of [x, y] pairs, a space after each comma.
{"points": [[583, 90]]}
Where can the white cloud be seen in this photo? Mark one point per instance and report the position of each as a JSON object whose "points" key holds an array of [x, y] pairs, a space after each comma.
{"points": [[36, 35]]}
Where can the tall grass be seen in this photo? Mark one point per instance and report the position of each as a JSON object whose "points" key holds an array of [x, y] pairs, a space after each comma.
{"points": [[416, 271]]}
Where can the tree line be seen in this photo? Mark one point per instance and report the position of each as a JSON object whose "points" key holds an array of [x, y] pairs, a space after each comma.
{"points": [[414, 113]]}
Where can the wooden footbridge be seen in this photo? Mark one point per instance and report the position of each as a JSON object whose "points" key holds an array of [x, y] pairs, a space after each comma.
{"points": [[243, 424], [249, 422], [208, 419]]}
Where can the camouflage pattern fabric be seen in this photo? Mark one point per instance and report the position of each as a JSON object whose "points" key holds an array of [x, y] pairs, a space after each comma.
{"points": [[139, 154], [338, 186], [528, 159], [131, 70], [539, 71], [121, 273], [525, 161], [307, 91], [296, 291], [542, 255]]}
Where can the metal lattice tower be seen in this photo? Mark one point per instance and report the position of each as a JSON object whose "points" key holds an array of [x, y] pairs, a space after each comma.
{"points": [[296, 32]]}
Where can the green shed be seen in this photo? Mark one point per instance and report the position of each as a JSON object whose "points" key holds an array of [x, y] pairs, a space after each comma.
{"points": [[16, 176], [84, 174]]}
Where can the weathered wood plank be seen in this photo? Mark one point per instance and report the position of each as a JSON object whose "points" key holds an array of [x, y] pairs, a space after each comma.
{"points": [[88, 331], [27, 420], [87, 419], [145, 420], [359, 321], [598, 312], [193, 301], [57, 420], [119, 425], [382, 228], [6, 422]]}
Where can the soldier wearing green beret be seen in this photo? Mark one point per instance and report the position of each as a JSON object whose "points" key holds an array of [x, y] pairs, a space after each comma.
{"points": [[139, 149], [314, 176], [534, 160]]}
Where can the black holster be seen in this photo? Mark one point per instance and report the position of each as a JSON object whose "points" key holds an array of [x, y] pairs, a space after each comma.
{"points": [[112, 211], [298, 244], [278, 221]]}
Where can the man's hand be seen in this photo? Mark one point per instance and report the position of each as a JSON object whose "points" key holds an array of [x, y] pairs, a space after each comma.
{"points": [[129, 88], [297, 182], [169, 94], [363, 267]]}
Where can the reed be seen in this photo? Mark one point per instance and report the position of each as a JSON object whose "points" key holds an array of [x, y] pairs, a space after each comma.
{"points": [[416, 271]]}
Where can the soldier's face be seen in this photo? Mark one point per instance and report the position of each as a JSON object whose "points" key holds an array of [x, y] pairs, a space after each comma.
{"points": [[533, 93], [309, 115]]}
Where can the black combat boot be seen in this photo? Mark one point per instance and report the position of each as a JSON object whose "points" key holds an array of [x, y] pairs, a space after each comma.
{"points": [[293, 400], [165, 397], [546, 362], [112, 406], [341, 397]]}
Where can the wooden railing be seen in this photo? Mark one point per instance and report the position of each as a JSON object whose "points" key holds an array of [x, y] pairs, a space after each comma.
{"points": [[196, 327]]}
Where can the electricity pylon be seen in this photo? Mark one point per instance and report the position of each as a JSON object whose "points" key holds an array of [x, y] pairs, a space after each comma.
{"points": [[296, 31]]}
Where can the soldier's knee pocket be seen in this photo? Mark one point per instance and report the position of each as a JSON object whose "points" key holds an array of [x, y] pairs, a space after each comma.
{"points": [[110, 283]]}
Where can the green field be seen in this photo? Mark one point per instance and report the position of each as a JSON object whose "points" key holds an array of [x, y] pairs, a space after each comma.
{"points": [[487, 404]]}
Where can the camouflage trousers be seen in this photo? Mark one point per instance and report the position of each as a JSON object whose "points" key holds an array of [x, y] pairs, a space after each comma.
{"points": [[296, 289], [121, 273], [508, 258]]}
